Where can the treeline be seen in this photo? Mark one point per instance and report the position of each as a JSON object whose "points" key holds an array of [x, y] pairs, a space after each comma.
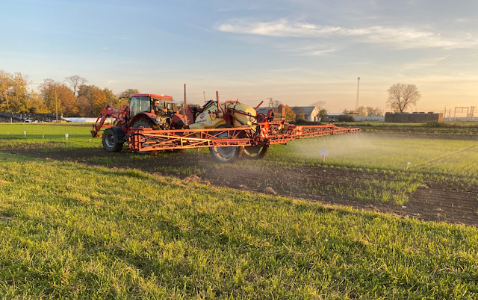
{"points": [[71, 98], [365, 111]]}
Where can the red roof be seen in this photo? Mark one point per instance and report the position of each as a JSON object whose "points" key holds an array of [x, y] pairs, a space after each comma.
{"points": [[153, 96]]}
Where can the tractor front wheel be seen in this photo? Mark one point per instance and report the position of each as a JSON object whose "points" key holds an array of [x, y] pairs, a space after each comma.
{"points": [[113, 139]]}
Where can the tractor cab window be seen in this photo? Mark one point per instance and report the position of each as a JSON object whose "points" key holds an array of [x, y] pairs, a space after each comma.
{"points": [[161, 105], [139, 104], [172, 106]]}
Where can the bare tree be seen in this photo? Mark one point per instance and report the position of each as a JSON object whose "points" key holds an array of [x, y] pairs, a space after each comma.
{"points": [[402, 96], [75, 82], [319, 104]]}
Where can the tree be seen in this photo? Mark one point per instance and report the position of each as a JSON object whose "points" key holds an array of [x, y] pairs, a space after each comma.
{"points": [[322, 113], [402, 96], [299, 115], [374, 111], [362, 111], [111, 98], [36, 104], [14, 94], [75, 82], [289, 113], [91, 100], [319, 104], [59, 97], [126, 95]]}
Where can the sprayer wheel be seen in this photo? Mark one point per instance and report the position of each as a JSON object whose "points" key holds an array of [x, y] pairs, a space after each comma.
{"points": [[255, 152], [226, 154]]}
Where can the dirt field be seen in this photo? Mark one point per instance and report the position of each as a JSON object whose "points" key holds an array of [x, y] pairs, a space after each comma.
{"points": [[430, 201]]}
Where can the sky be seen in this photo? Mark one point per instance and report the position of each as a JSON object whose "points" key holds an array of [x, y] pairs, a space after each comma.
{"points": [[295, 51]]}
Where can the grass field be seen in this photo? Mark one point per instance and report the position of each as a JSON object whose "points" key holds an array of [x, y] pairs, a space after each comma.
{"points": [[73, 230]]}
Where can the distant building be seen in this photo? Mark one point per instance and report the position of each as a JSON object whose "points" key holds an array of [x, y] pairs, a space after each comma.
{"points": [[416, 117], [279, 111], [309, 113]]}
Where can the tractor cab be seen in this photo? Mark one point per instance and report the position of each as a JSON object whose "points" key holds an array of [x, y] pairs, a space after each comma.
{"points": [[159, 105], [150, 110]]}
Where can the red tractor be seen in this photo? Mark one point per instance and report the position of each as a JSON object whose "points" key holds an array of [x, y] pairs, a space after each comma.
{"points": [[144, 111]]}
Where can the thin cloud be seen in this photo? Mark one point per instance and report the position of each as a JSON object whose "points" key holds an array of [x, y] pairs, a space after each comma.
{"points": [[402, 37]]}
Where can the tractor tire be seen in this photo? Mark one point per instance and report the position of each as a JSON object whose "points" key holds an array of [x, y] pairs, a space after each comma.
{"points": [[113, 139], [226, 154], [255, 152]]}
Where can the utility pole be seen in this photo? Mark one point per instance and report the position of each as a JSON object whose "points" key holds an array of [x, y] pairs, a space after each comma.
{"points": [[185, 106], [56, 107], [357, 103], [271, 102]]}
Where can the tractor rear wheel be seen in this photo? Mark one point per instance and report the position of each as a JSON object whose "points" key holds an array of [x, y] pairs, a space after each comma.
{"points": [[255, 152], [113, 139], [225, 154]]}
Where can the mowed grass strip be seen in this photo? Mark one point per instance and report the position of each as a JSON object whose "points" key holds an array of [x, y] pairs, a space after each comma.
{"points": [[73, 231], [46, 135]]}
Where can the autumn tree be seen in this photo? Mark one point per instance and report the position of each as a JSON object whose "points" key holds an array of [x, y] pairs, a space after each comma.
{"points": [[289, 113], [14, 94], [91, 100], [111, 98], [36, 104], [58, 97], [127, 93], [402, 96], [299, 114], [75, 82]]}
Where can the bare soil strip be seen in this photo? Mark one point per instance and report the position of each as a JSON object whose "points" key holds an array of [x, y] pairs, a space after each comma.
{"points": [[430, 202]]}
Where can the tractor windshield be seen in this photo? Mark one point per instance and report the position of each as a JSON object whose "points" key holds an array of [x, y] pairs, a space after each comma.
{"points": [[139, 104]]}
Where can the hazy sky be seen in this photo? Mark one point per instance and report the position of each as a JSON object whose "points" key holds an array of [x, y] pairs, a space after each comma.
{"points": [[296, 51]]}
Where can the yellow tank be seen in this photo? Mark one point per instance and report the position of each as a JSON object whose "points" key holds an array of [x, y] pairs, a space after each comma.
{"points": [[208, 119], [241, 120]]}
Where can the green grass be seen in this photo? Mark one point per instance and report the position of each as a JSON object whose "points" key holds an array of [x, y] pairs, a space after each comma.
{"points": [[431, 160], [46, 135], [73, 231], [383, 152], [438, 161]]}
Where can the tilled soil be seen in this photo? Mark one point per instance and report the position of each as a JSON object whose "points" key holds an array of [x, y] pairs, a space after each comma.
{"points": [[430, 202]]}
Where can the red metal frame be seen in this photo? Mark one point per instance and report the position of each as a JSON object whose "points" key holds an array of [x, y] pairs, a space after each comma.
{"points": [[120, 117], [267, 133], [260, 134]]}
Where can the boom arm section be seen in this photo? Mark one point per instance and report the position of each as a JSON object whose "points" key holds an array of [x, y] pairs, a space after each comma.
{"points": [[120, 118]]}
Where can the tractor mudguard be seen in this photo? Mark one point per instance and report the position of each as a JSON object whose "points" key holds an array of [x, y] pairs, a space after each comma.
{"points": [[144, 115]]}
